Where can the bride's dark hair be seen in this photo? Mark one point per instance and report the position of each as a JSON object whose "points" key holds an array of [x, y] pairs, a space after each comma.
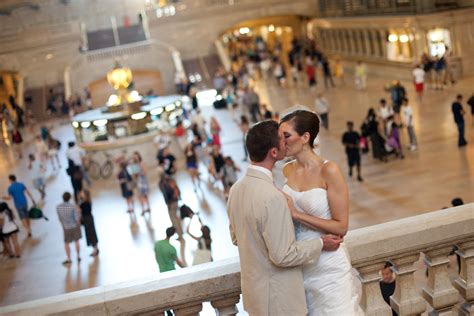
{"points": [[303, 121]]}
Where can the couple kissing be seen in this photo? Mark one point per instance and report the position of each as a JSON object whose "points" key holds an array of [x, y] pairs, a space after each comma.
{"points": [[292, 258]]}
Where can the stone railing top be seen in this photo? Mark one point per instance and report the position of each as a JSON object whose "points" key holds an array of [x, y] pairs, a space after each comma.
{"points": [[177, 288], [411, 234], [212, 281]]}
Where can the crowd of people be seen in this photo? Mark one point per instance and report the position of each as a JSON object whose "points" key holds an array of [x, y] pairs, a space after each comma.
{"points": [[197, 141]]}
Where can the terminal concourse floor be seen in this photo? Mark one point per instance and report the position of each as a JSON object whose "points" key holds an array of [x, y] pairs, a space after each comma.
{"points": [[426, 180]]}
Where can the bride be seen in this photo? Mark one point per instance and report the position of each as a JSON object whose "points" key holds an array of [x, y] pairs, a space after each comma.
{"points": [[321, 206]]}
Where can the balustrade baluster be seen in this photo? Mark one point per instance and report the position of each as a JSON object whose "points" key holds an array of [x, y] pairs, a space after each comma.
{"points": [[465, 282], [188, 310], [371, 300], [439, 292], [406, 300], [226, 305]]}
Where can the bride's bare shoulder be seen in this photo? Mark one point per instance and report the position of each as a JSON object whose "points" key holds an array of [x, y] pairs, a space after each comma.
{"points": [[288, 167], [330, 169]]}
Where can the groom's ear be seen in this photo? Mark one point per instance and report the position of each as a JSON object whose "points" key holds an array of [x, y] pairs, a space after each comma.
{"points": [[273, 152]]}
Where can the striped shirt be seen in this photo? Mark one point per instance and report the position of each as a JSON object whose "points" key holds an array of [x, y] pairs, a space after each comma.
{"points": [[68, 215]]}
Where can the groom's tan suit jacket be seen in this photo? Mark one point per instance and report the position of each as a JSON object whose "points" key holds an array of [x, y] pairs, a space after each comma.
{"points": [[270, 257]]}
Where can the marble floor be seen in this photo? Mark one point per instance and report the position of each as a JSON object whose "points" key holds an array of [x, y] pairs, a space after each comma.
{"points": [[426, 180]]}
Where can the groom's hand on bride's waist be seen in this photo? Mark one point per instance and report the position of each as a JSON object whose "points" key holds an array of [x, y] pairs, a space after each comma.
{"points": [[331, 242]]}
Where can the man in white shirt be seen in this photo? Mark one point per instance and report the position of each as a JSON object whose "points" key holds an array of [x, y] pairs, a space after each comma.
{"points": [[76, 155], [419, 80], [408, 121], [322, 109], [385, 112], [37, 172]]}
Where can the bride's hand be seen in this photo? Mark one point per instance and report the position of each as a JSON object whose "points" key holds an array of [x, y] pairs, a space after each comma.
{"points": [[291, 205]]}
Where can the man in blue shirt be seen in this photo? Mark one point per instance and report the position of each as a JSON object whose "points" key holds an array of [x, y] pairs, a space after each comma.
{"points": [[16, 191]]}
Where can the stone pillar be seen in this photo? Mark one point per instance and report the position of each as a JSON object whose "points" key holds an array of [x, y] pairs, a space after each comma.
{"points": [[354, 43], [20, 96], [67, 83], [439, 292], [332, 40], [226, 305], [383, 44], [371, 301], [368, 40], [375, 39], [465, 282], [188, 310], [406, 300]]}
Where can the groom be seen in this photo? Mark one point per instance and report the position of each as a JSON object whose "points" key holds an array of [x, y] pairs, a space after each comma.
{"points": [[262, 228]]}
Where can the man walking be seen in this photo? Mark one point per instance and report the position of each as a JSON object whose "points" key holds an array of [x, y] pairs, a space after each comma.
{"points": [[458, 114], [408, 120], [70, 218], [171, 195], [165, 253], [252, 101], [37, 170], [262, 228], [351, 140], [16, 191], [322, 109], [76, 156]]}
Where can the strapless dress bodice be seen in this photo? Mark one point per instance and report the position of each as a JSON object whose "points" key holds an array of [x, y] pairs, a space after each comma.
{"points": [[313, 202]]}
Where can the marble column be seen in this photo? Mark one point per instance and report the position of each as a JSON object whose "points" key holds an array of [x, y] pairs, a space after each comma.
{"points": [[226, 305], [188, 310], [439, 292], [465, 282], [382, 34], [371, 301], [67, 83], [375, 39], [368, 40], [20, 96], [406, 300]]}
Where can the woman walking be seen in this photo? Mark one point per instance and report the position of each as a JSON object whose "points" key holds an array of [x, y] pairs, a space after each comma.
{"points": [[215, 132], [17, 140], [126, 185], [53, 149], [192, 166], [88, 221], [142, 182], [203, 254], [9, 231]]}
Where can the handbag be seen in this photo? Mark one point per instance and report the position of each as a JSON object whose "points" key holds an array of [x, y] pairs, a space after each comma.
{"points": [[36, 213], [131, 185], [202, 254], [185, 211]]}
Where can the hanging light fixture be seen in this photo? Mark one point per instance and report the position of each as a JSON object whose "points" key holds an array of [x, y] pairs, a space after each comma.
{"points": [[119, 77]]}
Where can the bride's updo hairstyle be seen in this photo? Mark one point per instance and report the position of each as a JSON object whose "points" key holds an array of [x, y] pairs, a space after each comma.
{"points": [[303, 121]]}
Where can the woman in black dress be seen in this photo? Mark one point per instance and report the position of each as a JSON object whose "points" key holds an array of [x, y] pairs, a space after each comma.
{"points": [[372, 129], [126, 185], [88, 221]]}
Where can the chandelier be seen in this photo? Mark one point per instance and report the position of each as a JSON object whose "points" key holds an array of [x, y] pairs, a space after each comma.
{"points": [[119, 77]]}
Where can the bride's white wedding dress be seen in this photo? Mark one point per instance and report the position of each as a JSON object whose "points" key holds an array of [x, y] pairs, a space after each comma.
{"points": [[329, 284]]}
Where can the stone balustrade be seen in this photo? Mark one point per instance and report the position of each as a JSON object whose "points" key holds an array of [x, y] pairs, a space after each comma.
{"points": [[402, 242]]}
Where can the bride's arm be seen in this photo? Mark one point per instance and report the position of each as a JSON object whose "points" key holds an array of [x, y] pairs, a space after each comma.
{"points": [[338, 198]]}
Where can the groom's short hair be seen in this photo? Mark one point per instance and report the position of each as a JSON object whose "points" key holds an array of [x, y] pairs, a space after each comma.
{"points": [[260, 138]]}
